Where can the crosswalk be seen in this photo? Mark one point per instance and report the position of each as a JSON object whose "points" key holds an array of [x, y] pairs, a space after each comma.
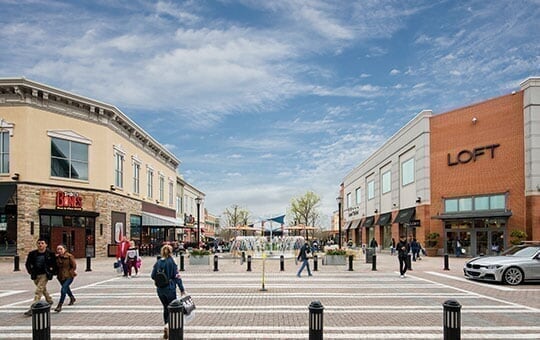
{"points": [[233, 306]]}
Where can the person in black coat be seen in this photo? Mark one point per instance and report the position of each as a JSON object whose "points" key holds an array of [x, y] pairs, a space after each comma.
{"points": [[303, 255], [403, 251], [41, 265]]}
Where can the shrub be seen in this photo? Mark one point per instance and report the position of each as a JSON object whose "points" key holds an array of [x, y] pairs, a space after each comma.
{"points": [[517, 236], [336, 252], [432, 240], [200, 252]]}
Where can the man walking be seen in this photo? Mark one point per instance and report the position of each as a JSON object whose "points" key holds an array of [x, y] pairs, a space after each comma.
{"points": [[403, 251], [303, 255], [41, 265], [121, 252]]}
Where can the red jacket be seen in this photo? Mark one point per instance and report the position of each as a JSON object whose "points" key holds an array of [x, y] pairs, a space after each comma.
{"points": [[122, 249]]}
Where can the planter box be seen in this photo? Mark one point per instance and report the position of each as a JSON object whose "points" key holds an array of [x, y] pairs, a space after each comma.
{"points": [[431, 251], [199, 260], [335, 260]]}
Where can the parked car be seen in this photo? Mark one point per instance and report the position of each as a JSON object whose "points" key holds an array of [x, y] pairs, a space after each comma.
{"points": [[518, 264]]}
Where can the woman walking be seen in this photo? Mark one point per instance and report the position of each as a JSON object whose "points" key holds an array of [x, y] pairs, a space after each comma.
{"points": [[166, 291], [66, 273]]}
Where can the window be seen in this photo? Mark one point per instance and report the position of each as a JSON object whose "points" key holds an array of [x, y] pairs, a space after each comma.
{"points": [[407, 172], [4, 152], [386, 182], [69, 159], [358, 196], [150, 184], [371, 190], [136, 177], [161, 188], [171, 193], [475, 203], [119, 170], [349, 200]]}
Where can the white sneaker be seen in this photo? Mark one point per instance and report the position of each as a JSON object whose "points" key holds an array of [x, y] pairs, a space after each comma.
{"points": [[402, 276]]}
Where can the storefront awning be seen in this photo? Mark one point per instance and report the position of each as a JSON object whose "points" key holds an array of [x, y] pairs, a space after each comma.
{"points": [[384, 219], [356, 223], [473, 215], [6, 192], [348, 225], [155, 220], [68, 212], [405, 215], [368, 223]]}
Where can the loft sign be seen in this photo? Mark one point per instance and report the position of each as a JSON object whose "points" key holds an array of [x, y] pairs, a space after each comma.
{"points": [[465, 156], [68, 200]]}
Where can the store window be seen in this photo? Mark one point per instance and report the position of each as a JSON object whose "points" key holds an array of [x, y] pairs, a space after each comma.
{"points": [[4, 152], [475, 203], [69, 159], [135, 223]]}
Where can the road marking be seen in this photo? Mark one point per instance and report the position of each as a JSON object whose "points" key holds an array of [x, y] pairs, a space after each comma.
{"points": [[483, 284], [11, 292]]}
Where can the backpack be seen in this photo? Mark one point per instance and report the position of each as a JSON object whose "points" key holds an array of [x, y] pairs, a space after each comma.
{"points": [[161, 280]]}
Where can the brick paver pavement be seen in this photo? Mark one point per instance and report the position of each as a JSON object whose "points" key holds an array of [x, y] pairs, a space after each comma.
{"points": [[358, 304]]}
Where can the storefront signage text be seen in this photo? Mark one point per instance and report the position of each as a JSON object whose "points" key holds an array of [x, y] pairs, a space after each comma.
{"points": [[465, 156], [68, 200]]}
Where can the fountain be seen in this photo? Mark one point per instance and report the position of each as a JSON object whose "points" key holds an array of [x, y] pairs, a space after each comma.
{"points": [[257, 245]]}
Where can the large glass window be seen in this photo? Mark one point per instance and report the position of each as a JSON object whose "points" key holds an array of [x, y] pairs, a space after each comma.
{"points": [[119, 170], [475, 203], [69, 159], [465, 204], [386, 182], [371, 190], [358, 196], [407, 172], [497, 202], [481, 203], [4, 152]]}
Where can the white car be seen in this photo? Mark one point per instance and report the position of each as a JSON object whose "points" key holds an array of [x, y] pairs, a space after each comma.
{"points": [[514, 266]]}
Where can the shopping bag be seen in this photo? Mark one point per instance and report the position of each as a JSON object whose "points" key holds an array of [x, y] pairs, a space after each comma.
{"points": [[188, 304]]}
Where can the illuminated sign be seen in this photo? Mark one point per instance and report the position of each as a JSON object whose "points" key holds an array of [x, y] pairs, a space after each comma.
{"points": [[465, 156], [68, 200]]}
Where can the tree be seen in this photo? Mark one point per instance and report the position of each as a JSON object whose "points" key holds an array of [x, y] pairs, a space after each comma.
{"points": [[235, 216], [304, 209]]}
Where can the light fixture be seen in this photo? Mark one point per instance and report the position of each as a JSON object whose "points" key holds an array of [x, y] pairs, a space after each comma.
{"points": [[474, 120], [198, 200], [15, 177], [419, 199], [376, 211], [339, 199], [112, 187]]}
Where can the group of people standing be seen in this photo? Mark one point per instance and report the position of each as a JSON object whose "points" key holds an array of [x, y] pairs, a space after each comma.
{"points": [[42, 264], [128, 255]]}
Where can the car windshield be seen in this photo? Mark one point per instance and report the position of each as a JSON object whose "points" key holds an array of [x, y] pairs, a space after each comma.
{"points": [[526, 251]]}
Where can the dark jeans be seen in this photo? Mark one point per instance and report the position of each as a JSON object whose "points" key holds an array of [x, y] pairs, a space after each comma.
{"points": [[65, 290], [402, 265], [166, 298], [305, 263], [124, 266]]}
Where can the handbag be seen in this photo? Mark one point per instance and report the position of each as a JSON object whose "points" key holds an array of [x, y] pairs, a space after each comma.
{"points": [[188, 304]]}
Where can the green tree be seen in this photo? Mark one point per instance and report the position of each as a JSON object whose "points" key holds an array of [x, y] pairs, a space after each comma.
{"points": [[304, 209]]}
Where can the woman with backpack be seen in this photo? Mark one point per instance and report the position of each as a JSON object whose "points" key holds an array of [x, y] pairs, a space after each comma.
{"points": [[164, 275]]}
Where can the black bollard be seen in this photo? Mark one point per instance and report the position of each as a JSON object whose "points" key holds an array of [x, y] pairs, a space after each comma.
{"points": [[351, 257], [182, 262], [41, 321], [249, 263], [216, 263], [409, 262], [88, 264], [243, 258], [451, 320], [282, 263], [374, 263], [315, 263], [176, 320], [315, 320], [16, 261], [446, 266]]}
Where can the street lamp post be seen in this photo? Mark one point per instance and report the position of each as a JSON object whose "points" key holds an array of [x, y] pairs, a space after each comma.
{"points": [[339, 200], [198, 200]]}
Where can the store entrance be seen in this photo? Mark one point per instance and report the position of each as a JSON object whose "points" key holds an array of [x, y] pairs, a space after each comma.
{"points": [[72, 238]]}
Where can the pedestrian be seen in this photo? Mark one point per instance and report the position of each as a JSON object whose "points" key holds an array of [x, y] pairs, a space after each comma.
{"points": [[121, 251], [67, 267], [393, 247], [373, 244], [415, 249], [132, 256], [41, 265], [303, 255], [458, 248], [403, 251], [166, 294]]}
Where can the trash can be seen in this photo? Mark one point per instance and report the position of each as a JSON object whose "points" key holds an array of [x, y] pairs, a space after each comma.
{"points": [[369, 254]]}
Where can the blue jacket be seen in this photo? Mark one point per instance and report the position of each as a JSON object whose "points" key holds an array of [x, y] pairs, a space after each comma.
{"points": [[170, 268]]}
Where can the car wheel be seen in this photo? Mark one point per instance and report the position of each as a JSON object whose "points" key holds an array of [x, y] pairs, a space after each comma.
{"points": [[513, 276]]}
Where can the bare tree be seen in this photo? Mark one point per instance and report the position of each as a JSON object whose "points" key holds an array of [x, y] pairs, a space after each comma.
{"points": [[304, 209], [235, 216]]}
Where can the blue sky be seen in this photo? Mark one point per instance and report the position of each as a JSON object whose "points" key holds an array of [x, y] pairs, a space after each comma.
{"points": [[265, 100]]}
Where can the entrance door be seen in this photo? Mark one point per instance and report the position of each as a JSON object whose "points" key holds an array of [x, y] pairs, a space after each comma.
{"points": [[72, 238], [482, 243]]}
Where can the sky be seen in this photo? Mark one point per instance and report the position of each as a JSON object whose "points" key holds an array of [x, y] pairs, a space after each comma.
{"points": [[263, 101]]}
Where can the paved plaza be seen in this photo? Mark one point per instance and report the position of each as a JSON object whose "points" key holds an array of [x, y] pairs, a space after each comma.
{"points": [[358, 304]]}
